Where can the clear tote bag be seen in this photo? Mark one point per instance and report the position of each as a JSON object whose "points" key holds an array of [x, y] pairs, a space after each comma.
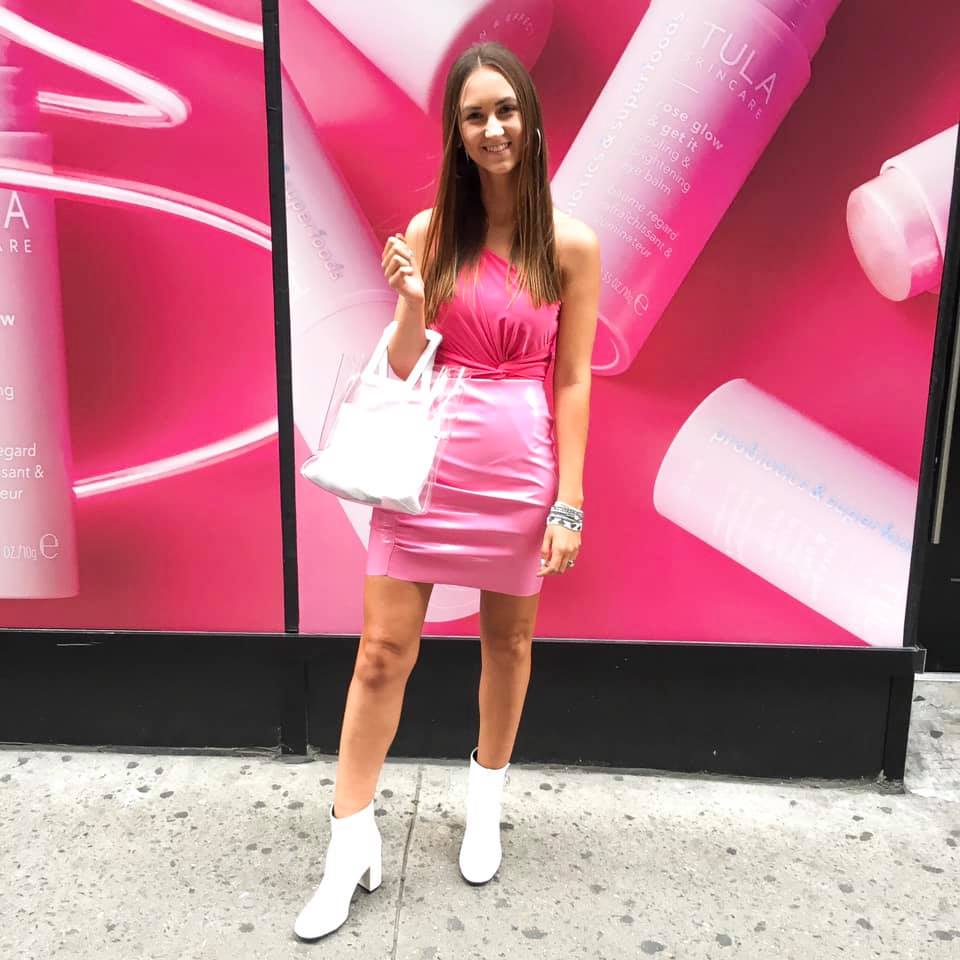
{"points": [[384, 436]]}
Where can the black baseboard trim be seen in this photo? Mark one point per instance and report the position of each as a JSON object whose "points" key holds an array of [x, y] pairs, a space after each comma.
{"points": [[750, 710]]}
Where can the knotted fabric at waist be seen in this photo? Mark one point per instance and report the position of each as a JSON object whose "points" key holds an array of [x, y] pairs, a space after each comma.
{"points": [[530, 368]]}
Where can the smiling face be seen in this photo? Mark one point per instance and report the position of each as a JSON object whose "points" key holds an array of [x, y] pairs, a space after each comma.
{"points": [[489, 120]]}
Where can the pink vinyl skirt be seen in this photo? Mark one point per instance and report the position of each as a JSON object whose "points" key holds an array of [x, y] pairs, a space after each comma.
{"points": [[496, 482]]}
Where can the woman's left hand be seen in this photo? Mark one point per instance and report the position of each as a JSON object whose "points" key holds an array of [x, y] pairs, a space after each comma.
{"points": [[559, 551]]}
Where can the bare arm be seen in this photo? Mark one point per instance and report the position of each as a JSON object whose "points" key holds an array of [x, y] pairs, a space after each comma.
{"points": [[401, 266], [571, 382], [571, 378]]}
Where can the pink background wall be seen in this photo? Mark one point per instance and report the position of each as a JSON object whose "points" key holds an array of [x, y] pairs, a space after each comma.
{"points": [[170, 337], [776, 297]]}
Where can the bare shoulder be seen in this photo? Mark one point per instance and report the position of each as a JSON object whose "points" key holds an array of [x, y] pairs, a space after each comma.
{"points": [[416, 232], [577, 244], [418, 225]]}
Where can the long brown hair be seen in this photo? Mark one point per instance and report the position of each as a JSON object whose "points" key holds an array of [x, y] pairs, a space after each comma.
{"points": [[458, 224]]}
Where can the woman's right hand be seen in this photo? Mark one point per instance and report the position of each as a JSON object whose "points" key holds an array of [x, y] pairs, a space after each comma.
{"points": [[400, 268]]}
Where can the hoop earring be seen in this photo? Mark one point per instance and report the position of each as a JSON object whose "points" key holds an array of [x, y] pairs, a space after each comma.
{"points": [[539, 142]]}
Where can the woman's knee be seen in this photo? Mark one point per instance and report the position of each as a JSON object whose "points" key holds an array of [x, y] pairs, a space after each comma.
{"points": [[512, 644], [384, 658]]}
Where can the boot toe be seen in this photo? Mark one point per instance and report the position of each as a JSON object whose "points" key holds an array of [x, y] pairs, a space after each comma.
{"points": [[317, 919], [478, 866]]}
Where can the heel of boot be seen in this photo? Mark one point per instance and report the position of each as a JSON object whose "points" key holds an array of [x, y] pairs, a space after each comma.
{"points": [[373, 875]]}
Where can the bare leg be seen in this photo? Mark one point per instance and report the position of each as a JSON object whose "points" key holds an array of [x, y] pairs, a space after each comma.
{"points": [[506, 634], [393, 614]]}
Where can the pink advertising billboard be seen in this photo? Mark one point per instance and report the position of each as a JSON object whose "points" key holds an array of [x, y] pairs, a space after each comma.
{"points": [[138, 413], [769, 182]]}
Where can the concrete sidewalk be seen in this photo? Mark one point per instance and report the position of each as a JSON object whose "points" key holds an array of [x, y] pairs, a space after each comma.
{"points": [[110, 856]]}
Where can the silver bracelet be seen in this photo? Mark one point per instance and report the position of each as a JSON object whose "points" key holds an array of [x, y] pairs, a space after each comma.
{"points": [[558, 521], [564, 515]]}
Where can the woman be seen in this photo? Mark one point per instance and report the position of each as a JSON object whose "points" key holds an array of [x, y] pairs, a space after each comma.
{"points": [[513, 287]]}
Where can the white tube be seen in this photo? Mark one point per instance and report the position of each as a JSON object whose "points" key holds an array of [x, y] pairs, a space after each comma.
{"points": [[339, 299], [414, 43], [695, 98], [898, 221], [801, 507], [38, 551]]}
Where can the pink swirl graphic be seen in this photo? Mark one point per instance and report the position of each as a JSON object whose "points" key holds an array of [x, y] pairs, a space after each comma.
{"points": [[180, 463], [156, 106], [201, 17], [111, 190]]}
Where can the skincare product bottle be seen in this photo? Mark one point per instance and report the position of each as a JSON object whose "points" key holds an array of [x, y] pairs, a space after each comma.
{"points": [[898, 220], [798, 505], [38, 550], [340, 301], [690, 107], [414, 43]]}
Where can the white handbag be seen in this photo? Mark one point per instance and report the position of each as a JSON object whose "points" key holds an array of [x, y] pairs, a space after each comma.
{"points": [[386, 434]]}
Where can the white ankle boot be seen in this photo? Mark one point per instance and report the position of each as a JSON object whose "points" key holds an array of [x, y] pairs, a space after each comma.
{"points": [[480, 852], [353, 856]]}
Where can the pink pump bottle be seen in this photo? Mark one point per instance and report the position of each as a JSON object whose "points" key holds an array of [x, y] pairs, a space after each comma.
{"points": [[898, 221], [414, 43], [803, 508], [340, 302], [38, 552], [693, 102]]}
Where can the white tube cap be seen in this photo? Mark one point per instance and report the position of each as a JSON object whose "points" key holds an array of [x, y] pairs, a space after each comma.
{"points": [[894, 237]]}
